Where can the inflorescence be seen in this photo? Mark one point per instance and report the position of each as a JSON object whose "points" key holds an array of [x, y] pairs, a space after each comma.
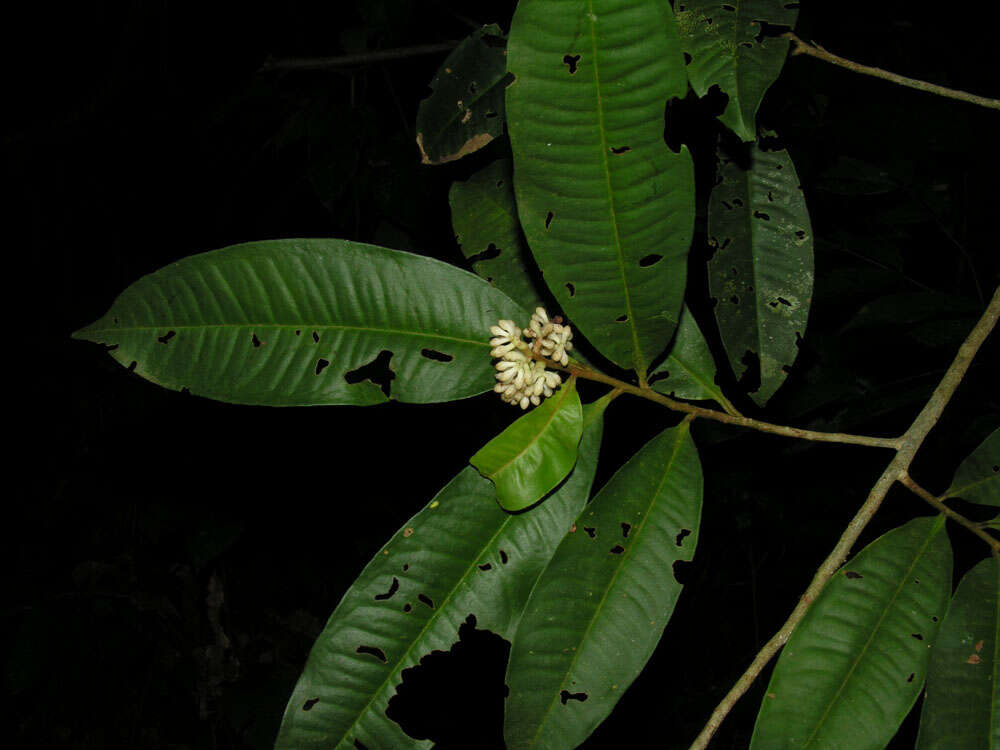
{"points": [[523, 380]]}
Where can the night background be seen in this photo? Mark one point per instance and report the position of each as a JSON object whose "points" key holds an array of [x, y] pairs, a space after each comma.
{"points": [[144, 523]]}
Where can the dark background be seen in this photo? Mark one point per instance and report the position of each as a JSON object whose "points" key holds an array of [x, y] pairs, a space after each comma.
{"points": [[139, 133]]}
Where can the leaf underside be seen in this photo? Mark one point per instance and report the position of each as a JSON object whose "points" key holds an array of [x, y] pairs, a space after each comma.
{"points": [[762, 270], [599, 608], [303, 322], [856, 662], [460, 555], [728, 49], [689, 369], [978, 477], [606, 207]]}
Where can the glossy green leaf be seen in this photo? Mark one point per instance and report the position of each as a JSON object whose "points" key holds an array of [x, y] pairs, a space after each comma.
{"points": [[606, 207], [728, 49], [460, 555], [600, 607], [465, 110], [536, 452], [689, 369], [856, 663], [762, 269], [978, 477], [484, 216], [295, 322], [962, 706]]}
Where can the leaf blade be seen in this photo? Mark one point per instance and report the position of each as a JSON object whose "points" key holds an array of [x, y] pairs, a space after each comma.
{"points": [[855, 664], [574, 655], [689, 368], [466, 555], [978, 477], [290, 322], [536, 452], [598, 191]]}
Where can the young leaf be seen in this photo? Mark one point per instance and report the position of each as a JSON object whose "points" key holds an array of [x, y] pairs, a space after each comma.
{"points": [[962, 708], [856, 662], [689, 370], [299, 322], [536, 452], [484, 217], [728, 49], [461, 554], [606, 207], [762, 269], [599, 608], [978, 477], [465, 110]]}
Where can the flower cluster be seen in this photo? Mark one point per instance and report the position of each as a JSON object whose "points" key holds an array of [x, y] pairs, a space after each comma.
{"points": [[521, 379]]}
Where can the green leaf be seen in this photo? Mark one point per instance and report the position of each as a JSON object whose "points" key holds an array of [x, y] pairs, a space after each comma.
{"points": [[536, 452], [599, 608], [295, 322], [461, 554], [465, 110], [484, 216], [728, 49], [962, 707], [856, 662], [689, 370], [762, 269], [606, 207], [978, 477]]}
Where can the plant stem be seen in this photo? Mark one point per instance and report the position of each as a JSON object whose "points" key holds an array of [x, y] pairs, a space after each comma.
{"points": [[814, 50], [958, 518], [361, 58], [909, 443]]}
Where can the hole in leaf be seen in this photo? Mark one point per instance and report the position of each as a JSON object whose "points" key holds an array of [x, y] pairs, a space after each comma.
{"points": [[682, 571], [761, 215], [621, 319], [377, 371], [934, 618], [738, 202], [650, 259], [424, 599], [681, 536], [571, 289], [617, 549], [485, 566], [491, 252], [910, 678], [727, 205], [626, 528], [565, 696], [591, 531], [571, 62], [687, 58], [315, 337], [321, 364], [407, 607], [307, 706], [729, 7], [734, 299], [770, 197], [851, 574], [406, 567], [503, 557], [436, 355], [132, 366], [800, 234], [393, 588], [170, 334], [620, 149], [453, 696], [298, 332], [918, 636], [548, 219], [372, 651]]}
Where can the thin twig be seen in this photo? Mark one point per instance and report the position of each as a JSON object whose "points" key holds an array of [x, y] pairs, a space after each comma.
{"points": [[958, 518], [896, 470], [361, 58], [805, 48]]}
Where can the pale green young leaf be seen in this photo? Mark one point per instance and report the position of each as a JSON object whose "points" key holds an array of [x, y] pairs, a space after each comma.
{"points": [[607, 208], [294, 322], [762, 270], [599, 608], [962, 706], [856, 663], [461, 554], [978, 477], [728, 49], [536, 452]]}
